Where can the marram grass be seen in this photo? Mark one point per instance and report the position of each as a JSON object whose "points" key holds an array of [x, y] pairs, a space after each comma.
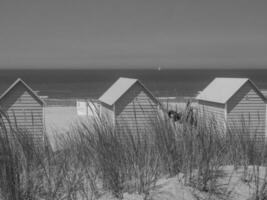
{"points": [[93, 158]]}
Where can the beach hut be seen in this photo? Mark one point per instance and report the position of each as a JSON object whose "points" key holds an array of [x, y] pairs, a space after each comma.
{"points": [[235, 102], [87, 107], [129, 104], [24, 108]]}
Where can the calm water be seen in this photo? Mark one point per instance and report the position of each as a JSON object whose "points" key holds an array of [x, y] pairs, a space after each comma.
{"points": [[92, 83]]}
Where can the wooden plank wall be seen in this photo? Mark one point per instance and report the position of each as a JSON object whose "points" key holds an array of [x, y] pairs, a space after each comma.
{"points": [[24, 112], [247, 106], [107, 112], [213, 111], [136, 110]]}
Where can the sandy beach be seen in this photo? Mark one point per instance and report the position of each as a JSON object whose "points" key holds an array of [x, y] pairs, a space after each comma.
{"points": [[58, 119]]}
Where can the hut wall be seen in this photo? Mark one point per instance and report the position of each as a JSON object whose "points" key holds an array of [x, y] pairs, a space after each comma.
{"points": [[247, 106], [136, 110], [24, 112], [213, 111], [107, 112]]}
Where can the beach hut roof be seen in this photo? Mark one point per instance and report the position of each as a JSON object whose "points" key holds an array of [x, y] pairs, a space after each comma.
{"points": [[220, 90], [20, 81], [120, 87]]}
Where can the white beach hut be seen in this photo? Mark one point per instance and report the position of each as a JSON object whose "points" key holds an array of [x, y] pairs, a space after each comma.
{"points": [[87, 107], [129, 104], [233, 101], [25, 109]]}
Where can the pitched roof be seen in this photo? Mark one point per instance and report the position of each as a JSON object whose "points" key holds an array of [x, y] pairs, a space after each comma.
{"points": [[20, 81], [120, 87], [117, 90], [220, 90]]}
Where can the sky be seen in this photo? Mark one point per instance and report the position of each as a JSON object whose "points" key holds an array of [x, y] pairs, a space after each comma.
{"points": [[133, 34]]}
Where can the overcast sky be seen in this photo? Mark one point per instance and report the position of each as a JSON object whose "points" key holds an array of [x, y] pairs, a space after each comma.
{"points": [[127, 33]]}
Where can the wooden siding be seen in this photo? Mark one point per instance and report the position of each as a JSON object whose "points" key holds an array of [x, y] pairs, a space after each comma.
{"points": [[107, 112], [248, 107], [136, 110], [24, 111], [212, 110]]}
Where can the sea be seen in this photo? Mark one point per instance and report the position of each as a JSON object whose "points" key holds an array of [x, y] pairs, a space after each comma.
{"points": [[86, 84]]}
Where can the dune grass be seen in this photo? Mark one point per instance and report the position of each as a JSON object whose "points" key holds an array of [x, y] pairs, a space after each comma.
{"points": [[94, 158]]}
